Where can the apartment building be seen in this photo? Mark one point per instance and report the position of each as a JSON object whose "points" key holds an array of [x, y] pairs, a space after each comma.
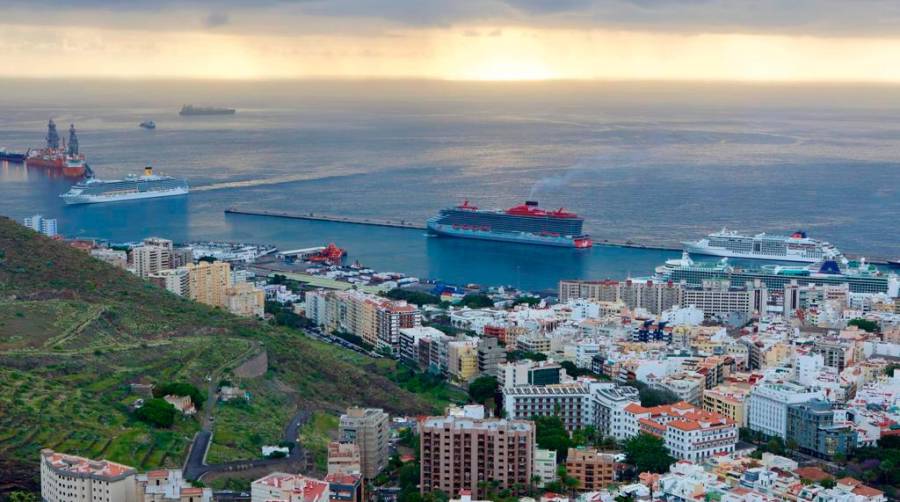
{"points": [[655, 297], [462, 453], [690, 433], [244, 299], [150, 259], [207, 282], [68, 478], [593, 470], [571, 402], [346, 487], [811, 425], [490, 356], [344, 458], [609, 402], [176, 280], [462, 360], [729, 401], [719, 299], [376, 320], [769, 402], [38, 223], [281, 487], [369, 429], [424, 347], [545, 465], [115, 257]]}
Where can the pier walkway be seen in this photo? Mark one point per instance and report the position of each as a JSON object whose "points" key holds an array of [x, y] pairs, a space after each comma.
{"points": [[329, 218]]}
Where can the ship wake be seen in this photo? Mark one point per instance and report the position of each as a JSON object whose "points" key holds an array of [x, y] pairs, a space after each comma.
{"points": [[277, 180]]}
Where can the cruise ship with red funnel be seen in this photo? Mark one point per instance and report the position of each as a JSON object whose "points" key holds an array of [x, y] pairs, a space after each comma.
{"points": [[525, 224]]}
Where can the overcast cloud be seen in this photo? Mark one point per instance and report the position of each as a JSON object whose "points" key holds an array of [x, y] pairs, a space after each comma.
{"points": [[863, 18]]}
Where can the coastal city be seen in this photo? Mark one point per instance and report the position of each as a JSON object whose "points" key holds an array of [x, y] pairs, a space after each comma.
{"points": [[449, 251], [699, 380]]}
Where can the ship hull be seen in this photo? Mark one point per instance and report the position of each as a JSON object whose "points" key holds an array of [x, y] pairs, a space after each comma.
{"points": [[694, 249], [49, 163], [513, 237], [13, 157], [97, 199]]}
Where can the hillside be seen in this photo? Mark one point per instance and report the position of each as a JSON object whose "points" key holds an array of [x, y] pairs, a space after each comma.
{"points": [[75, 332]]}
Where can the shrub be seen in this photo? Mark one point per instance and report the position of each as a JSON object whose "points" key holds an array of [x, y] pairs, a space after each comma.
{"points": [[156, 412]]}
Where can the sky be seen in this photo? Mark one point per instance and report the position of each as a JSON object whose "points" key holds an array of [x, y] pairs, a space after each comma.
{"points": [[677, 40]]}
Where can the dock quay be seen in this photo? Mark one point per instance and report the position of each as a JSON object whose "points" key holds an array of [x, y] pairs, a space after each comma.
{"points": [[412, 225], [329, 218]]}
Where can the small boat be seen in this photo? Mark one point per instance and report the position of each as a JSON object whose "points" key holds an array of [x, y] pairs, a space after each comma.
{"points": [[148, 124], [12, 156]]}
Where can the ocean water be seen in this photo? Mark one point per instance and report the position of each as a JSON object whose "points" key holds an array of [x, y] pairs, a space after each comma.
{"points": [[651, 163]]}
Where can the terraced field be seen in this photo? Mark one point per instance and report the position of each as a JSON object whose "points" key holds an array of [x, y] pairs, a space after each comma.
{"points": [[76, 332]]}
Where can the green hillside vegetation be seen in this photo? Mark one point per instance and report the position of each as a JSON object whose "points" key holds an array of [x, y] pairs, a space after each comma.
{"points": [[75, 332]]}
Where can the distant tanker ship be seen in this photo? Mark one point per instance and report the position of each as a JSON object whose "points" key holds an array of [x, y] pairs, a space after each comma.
{"points": [[525, 224], [205, 110]]}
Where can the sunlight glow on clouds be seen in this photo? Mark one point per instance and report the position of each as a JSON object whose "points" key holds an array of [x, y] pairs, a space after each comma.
{"points": [[461, 52]]}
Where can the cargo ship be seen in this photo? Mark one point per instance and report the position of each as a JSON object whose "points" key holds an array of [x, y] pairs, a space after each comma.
{"points": [[525, 224], [65, 159], [92, 191], [12, 156], [205, 110], [796, 247]]}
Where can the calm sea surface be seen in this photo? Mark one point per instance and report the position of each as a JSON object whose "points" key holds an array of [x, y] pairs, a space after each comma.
{"points": [[647, 162]]}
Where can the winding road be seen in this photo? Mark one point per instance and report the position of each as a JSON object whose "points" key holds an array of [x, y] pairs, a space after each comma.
{"points": [[196, 467]]}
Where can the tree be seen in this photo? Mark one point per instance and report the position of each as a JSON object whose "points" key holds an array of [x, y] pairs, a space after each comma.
{"points": [[828, 483], [21, 496], [886, 467], [413, 297], [864, 324], [483, 388], [156, 412], [776, 446], [571, 483], [518, 355], [551, 434], [477, 301], [651, 397], [572, 370], [648, 453]]}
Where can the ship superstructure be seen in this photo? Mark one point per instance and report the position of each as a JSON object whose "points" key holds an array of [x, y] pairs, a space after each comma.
{"points": [[205, 110], [795, 247], [66, 160], [92, 191], [525, 223], [862, 277]]}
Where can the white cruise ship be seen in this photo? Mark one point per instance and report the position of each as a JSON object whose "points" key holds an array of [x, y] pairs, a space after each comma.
{"points": [[794, 247], [92, 191]]}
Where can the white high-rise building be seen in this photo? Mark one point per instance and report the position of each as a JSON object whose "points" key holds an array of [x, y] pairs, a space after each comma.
{"points": [[768, 404], [67, 478], [38, 223]]}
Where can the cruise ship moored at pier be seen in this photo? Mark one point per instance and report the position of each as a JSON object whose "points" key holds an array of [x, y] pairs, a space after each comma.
{"points": [[525, 224], [795, 247], [860, 276], [92, 191]]}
